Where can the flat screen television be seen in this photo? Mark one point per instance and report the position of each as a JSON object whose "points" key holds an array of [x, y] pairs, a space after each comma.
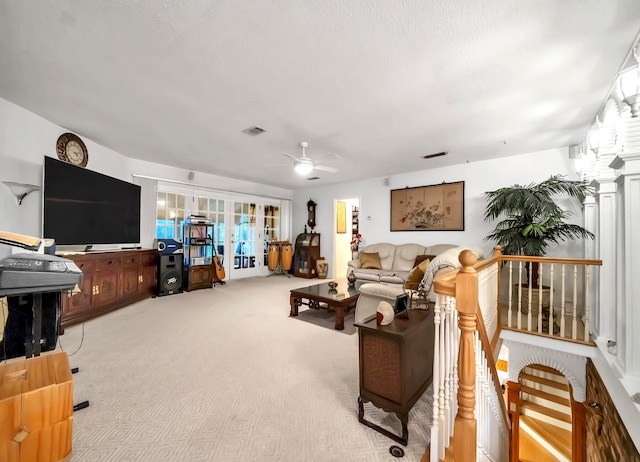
{"points": [[82, 207]]}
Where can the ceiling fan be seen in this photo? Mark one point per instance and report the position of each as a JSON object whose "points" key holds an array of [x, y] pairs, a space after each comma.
{"points": [[305, 165]]}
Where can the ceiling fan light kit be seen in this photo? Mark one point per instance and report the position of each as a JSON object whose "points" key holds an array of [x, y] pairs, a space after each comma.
{"points": [[304, 165], [303, 168]]}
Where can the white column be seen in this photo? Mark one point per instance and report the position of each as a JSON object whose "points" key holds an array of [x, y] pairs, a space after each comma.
{"points": [[607, 253], [607, 210], [627, 166], [591, 252]]}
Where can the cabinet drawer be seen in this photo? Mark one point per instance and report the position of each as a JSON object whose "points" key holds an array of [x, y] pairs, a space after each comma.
{"points": [[106, 264], [131, 260], [86, 266], [150, 258]]}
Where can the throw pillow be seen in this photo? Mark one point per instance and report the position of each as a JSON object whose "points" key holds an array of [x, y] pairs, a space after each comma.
{"points": [[421, 258], [417, 273], [370, 260]]}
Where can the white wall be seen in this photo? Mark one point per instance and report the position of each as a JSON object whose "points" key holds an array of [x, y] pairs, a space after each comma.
{"points": [[25, 138], [479, 177]]}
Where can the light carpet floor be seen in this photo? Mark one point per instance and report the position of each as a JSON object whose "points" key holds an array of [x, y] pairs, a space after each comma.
{"points": [[224, 374]]}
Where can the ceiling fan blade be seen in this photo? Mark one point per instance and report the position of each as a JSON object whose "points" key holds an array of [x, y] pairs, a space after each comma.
{"points": [[324, 168], [277, 165], [289, 155], [328, 157]]}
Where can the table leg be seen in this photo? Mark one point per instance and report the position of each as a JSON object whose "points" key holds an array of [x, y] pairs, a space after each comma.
{"points": [[404, 418], [295, 303], [339, 317]]}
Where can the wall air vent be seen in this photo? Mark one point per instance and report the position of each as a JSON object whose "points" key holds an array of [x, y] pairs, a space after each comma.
{"points": [[313, 178], [437, 154], [254, 131]]}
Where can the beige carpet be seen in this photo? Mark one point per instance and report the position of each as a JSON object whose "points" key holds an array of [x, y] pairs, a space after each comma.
{"points": [[225, 374]]}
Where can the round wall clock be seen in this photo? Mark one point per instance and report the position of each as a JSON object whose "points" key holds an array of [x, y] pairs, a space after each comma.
{"points": [[70, 148]]}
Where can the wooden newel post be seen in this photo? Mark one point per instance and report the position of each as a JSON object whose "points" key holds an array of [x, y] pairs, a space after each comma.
{"points": [[465, 425]]}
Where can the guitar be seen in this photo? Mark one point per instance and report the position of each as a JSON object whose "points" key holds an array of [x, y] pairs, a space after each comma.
{"points": [[219, 270]]}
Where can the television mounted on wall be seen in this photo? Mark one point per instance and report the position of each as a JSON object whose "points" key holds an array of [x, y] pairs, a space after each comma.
{"points": [[83, 207]]}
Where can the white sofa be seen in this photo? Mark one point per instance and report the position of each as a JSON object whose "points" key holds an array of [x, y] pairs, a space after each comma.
{"points": [[372, 293], [396, 261]]}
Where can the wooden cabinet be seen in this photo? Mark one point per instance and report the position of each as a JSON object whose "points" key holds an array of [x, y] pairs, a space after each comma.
{"points": [[396, 365], [110, 280], [306, 253], [198, 256]]}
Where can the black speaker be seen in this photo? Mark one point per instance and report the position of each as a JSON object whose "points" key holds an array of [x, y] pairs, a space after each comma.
{"points": [[169, 246], [169, 274]]}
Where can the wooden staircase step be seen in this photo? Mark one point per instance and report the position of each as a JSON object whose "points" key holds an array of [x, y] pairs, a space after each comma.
{"points": [[544, 395], [543, 381], [561, 416], [558, 438]]}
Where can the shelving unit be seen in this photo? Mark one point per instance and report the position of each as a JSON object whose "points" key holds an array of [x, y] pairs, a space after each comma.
{"points": [[198, 256], [306, 253], [355, 223]]}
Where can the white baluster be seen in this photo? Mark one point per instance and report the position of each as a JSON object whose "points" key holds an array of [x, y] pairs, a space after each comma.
{"points": [[551, 300], [562, 300], [448, 340], [444, 440], [529, 301], [540, 297], [519, 295], [574, 325], [587, 270], [437, 453], [509, 315]]}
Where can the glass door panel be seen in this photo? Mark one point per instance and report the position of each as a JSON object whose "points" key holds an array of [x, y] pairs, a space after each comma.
{"points": [[271, 228], [244, 240]]}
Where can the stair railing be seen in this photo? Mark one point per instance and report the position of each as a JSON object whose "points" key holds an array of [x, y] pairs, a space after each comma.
{"points": [[559, 305], [464, 364]]}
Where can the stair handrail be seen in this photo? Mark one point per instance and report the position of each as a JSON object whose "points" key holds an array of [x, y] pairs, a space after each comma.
{"points": [[459, 289]]}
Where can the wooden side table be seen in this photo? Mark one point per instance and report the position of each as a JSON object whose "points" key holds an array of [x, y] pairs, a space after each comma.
{"points": [[396, 366]]}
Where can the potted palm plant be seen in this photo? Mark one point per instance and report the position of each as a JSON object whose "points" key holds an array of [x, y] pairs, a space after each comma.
{"points": [[532, 219]]}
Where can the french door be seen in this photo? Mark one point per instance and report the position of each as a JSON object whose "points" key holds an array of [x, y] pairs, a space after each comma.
{"points": [[242, 228], [255, 224]]}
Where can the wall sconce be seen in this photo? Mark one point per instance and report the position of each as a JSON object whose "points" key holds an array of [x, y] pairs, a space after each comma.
{"points": [[629, 86], [593, 137], [20, 190]]}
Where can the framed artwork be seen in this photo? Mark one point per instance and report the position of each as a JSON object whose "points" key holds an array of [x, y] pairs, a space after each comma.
{"points": [[438, 207], [341, 217]]}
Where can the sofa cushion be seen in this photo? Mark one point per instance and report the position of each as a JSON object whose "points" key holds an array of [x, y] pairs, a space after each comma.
{"points": [[393, 277], [386, 252], [370, 260], [405, 256], [367, 274]]}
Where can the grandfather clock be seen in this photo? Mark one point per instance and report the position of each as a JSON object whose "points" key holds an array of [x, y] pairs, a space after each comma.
{"points": [[311, 210]]}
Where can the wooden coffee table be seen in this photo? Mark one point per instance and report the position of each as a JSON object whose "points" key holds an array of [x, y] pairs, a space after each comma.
{"points": [[321, 296]]}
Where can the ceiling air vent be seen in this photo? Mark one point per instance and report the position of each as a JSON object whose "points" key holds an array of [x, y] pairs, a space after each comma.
{"points": [[437, 154], [253, 131]]}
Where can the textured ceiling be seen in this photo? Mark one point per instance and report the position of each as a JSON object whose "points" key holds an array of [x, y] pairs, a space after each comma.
{"points": [[381, 83]]}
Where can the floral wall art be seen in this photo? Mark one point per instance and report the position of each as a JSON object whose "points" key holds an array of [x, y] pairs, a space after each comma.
{"points": [[428, 208]]}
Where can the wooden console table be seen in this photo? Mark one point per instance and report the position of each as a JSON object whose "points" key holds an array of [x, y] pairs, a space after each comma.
{"points": [[396, 366], [111, 280]]}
